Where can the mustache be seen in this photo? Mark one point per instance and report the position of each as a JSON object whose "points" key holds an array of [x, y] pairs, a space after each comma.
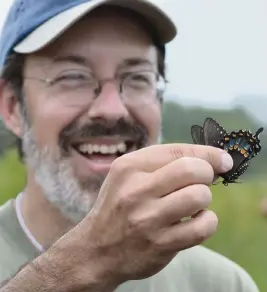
{"points": [[131, 131]]}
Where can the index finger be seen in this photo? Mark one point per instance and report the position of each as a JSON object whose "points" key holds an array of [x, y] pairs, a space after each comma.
{"points": [[154, 157]]}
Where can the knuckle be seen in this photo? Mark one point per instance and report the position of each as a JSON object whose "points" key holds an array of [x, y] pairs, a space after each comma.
{"points": [[213, 221], [192, 151], [137, 186], [188, 167], [177, 152], [125, 200], [142, 219], [200, 233], [203, 195], [210, 155], [159, 243], [197, 169], [185, 151], [138, 221], [206, 168], [194, 200], [205, 228], [213, 157], [209, 172], [120, 166], [132, 191], [134, 222]]}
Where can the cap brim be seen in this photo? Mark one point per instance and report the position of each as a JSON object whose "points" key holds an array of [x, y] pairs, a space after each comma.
{"points": [[57, 25]]}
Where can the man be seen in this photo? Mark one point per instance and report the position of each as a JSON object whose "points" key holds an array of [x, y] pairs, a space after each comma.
{"points": [[104, 206]]}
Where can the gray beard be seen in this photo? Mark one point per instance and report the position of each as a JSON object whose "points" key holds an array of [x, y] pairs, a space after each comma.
{"points": [[55, 176], [54, 173]]}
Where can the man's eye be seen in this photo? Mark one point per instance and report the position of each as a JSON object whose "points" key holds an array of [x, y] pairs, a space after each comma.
{"points": [[70, 77], [73, 79], [139, 80], [140, 77], [76, 76]]}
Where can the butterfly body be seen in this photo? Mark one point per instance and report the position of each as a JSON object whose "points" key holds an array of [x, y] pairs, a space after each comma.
{"points": [[242, 145]]}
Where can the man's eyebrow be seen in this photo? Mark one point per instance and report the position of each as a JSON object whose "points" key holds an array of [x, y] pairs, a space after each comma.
{"points": [[134, 62], [76, 59]]}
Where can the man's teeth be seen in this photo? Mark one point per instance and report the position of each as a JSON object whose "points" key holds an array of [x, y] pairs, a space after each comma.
{"points": [[103, 149]]}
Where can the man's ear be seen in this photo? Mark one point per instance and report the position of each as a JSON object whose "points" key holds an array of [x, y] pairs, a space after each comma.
{"points": [[10, 108]]}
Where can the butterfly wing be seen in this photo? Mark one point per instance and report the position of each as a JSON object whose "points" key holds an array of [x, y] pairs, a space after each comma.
{"points": [[233, 175], [241, 164], [197, 134], [242, 145], [213, 132]]}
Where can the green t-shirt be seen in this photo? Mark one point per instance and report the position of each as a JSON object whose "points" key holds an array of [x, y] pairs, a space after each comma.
{"points": [[197, 269]]}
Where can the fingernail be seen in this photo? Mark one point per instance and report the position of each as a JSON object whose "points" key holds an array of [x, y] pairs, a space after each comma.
{"points": [[227, 162]]}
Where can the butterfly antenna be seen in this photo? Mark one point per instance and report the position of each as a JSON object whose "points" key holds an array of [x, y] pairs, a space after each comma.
{"points": [[259, 131]]}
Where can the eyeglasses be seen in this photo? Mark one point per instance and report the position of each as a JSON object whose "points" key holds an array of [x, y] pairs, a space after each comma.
{"points": [[80, 87]]}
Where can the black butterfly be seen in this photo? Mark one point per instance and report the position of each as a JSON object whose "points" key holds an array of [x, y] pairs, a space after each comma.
{"points": [[210, 134], [242, 145]]}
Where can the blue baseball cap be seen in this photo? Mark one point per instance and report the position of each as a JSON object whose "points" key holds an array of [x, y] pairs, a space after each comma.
{"points": [[32, 24]]}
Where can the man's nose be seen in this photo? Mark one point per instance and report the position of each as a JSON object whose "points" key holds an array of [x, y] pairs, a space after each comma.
{"points": [[108, 105]]}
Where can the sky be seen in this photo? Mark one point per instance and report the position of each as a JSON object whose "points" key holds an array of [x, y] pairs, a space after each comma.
{"points": [[220, 51]]}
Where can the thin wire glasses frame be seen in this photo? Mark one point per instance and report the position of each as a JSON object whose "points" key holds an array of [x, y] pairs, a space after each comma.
{"points": [[138, 87]]}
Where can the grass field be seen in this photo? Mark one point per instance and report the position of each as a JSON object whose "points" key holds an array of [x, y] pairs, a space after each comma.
{"points": [[242, 233]]}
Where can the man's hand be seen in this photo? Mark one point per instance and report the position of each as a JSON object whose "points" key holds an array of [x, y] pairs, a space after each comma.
{"points": [[136, 226]]}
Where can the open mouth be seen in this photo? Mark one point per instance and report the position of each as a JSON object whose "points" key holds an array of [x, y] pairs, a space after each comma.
{"points": [[104, 151]]}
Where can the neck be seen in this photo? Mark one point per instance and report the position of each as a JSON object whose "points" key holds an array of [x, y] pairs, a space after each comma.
{"points": [[43, 220]]}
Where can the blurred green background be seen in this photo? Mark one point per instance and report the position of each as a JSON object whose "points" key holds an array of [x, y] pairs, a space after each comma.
{"points": [[242, 232]]}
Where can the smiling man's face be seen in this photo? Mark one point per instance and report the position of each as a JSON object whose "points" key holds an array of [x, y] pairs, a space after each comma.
{"points": [[73, 129]]}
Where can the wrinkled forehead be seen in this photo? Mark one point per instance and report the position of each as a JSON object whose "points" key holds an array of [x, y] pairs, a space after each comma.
{"points": [[105, 35]]}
